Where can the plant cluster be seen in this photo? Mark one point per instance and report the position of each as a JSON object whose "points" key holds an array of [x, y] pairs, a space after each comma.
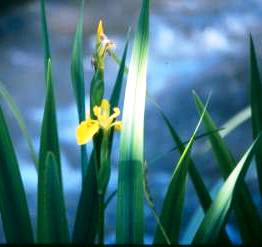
{"points": [[99, 127]]}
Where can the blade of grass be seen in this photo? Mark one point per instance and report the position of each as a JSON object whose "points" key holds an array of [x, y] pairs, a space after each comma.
{"points": [[217, 214], [256, 107], [78, 81], [172, 209], [199, 185], [182, 144], [52, 219], [115, 96], [229, 126], [13, 205], [129, 227], [20, 121], [197, 217], [77, 68], [45, 38], [49, 140], [85, 226], [244, 208]]}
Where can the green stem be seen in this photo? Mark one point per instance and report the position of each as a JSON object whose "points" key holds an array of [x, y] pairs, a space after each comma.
{"points": [[102, 180], [101, 218]]}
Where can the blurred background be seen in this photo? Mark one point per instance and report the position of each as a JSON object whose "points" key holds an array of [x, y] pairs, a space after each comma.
{"points": [[201, 45]]}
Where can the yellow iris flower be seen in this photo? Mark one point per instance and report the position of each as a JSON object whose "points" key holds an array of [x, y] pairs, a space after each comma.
{"points": [[88, 128]]}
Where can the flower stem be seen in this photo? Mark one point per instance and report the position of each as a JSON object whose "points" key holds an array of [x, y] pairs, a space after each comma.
{"points": [[101, 218]]}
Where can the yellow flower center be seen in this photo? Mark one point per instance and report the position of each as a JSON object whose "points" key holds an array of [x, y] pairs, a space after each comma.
{"points": [[88, 128]]}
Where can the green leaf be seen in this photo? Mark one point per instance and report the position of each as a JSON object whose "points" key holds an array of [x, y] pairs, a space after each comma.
{"points": [[256, 107], [85, 226], [218, 213], [45, 38], [230, 125], [202, 191], [96, 90], [20, 121], [115, 96], [199, 185], [244, 208], [77, 68], [78, 81], [172, 209], [49, 137], [52, 222], [14, 210], [130, 199]]}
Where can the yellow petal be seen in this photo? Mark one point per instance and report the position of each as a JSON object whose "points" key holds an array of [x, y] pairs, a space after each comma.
{"points": [[117, 125], [116, 113], [100, 31], [86, 130], [97, 111], [105, 105]]}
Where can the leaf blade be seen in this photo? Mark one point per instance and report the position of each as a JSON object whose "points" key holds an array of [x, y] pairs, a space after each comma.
{"points": [[13, 205], [49, 141], [78, 81], [85, 225], [52, 220], [129, 227], [171, 213], [245, 208], [20, 121], [217, 214], [256, 107], [45, 36]]}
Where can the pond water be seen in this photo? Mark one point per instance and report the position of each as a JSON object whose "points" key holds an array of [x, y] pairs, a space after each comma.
{"points": [[199, 45]]}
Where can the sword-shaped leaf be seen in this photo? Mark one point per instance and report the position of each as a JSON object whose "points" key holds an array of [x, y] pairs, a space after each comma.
{"points": [[256, 107], [53, 227], [13, 206], [172, 209], [48, 143], [130, 195], [244, 208], [218, 213]]}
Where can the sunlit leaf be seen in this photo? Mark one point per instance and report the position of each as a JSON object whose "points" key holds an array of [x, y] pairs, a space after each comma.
{"points": [[130, 226]]}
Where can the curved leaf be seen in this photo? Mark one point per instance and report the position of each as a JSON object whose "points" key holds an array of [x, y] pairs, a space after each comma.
{"points": [[244, 208], [20, 121], [217, 214], [199, 185], [172, 209]]}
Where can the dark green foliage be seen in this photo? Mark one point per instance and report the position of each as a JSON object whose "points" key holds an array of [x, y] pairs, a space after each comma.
{"points": [[52, 222], [14, 210], [256, 107]]}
